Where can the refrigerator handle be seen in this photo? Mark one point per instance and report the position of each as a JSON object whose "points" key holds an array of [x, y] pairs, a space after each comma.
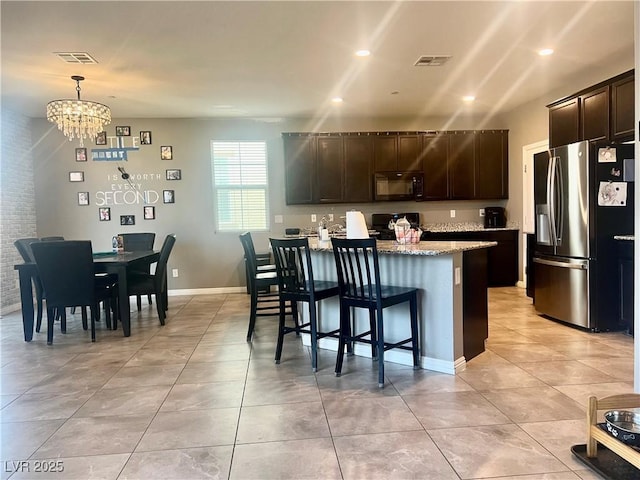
{"points": [[559, 210], [551, 200]]}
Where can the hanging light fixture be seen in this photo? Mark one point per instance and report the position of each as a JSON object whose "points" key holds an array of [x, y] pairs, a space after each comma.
{"points": [[78, 118]]}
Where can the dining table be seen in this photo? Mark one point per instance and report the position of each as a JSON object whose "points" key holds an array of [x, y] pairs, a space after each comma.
{"points": [[116, 263]]}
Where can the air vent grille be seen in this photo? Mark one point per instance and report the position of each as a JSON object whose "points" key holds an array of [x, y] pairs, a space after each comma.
{"points": [[432, 60], [75, 57]]}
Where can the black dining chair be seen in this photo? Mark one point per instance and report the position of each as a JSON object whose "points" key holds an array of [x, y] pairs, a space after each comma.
{"points": [[260, 279], [358, 272], [68, 276], [296, 284], [132, 242], [23, 245], [52, 239], [142, 283]]}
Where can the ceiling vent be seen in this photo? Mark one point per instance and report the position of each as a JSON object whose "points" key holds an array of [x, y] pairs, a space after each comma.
{"points": [[75, 57], [432, 60]]}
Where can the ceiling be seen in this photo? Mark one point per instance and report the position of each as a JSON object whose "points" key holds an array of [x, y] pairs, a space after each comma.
{"points": [[269, 60]]}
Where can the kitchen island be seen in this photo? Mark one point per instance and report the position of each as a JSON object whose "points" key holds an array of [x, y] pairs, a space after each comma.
{"points": [[451, 278]]}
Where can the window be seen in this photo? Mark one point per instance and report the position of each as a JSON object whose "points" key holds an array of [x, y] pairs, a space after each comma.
{"points": [[239, 171]]}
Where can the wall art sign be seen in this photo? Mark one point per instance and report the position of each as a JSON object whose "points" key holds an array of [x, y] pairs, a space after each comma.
{"points": [[145, 137], [122, 131]]}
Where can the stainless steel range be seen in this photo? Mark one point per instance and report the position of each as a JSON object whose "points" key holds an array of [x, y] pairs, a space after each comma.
{"points": [[380, 223]]}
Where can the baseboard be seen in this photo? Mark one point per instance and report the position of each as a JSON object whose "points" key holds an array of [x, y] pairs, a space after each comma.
{"points": [[521, 284], [206, 291], [10, 309]]}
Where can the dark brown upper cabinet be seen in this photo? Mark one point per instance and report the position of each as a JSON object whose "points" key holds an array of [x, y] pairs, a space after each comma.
{"points": [[299, 163], [397, 152], [492, 165], [358, 168], [462, 169], [594, 114], [435, 165], [602, 113], [564, 123], [330, 169], [622, 109]]}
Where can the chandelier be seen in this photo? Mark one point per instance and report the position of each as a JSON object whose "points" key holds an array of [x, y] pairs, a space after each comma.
{"points": [[78, 118]]}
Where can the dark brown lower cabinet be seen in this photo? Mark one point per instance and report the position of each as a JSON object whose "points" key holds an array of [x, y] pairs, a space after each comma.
{"points": [[475, 329], [625, 269], [502, 260]]}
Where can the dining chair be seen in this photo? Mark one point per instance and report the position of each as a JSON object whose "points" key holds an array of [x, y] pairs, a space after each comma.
{"points": [[132, 242], [51, 239], [263, 262], [296, 284], [260, 279], [23, 245], [143, 283], [358, 273], [67, 273]]}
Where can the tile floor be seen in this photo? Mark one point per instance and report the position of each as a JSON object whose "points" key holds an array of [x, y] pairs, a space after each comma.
{"points": [[193, 400]]}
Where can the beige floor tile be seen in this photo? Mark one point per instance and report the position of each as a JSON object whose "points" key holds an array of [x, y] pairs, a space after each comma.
{"points": [[494, 451], [190, 429], [280, 391], [203, 396], [21, 439], [232, 371], [558, 437], [535, 404], [95, 436], [145, 376], [43, 406], [272, 423], [498, 377], [401, 455], [190, 463], [220, 353], [124, 401], [285, 460], [455, 409], [566, 372], [369, 415]]}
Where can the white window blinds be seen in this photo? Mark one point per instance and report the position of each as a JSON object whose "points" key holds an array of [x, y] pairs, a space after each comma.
{"points": [[239, 172]]}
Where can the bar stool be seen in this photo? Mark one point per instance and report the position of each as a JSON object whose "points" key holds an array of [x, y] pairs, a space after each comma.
{"points": [[359, 279], [296, 284], [264, 302]]}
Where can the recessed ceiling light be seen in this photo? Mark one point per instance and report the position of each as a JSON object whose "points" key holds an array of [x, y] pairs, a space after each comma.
{"points": [[337, 100], [545, 51], [468, 98], [363, 53]]}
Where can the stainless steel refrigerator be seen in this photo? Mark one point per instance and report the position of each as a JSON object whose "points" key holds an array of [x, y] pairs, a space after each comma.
{"points": [[582, 199]]}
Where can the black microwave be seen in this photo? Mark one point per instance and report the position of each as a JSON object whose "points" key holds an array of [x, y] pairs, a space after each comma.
{"points": [[390, 186]]}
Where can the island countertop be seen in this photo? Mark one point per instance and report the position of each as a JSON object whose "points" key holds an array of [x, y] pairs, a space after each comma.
{"points": [[629, 238], [424, 248]]}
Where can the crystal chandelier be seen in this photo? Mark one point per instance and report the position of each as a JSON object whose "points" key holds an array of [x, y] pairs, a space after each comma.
{"points": [[78, 118]]}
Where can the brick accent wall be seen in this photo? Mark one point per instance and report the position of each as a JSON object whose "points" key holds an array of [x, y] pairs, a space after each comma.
{"points": [[17, 201]]}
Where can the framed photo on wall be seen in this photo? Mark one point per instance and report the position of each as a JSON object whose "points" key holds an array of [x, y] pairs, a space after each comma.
{"points": [[83, 198], [166, 152], [149, 213], [127, 219], [168, 196], [104, 214], [101, 138], [174, 174], [81, 154], [145, 137], [123, 131], [76, 176]]}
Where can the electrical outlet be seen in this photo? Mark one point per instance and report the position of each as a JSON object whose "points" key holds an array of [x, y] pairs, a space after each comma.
{"points": [[278, 219], [313, 218], [457, 275], [331, 217], [452, 213], [174, 272], [482, 212]]}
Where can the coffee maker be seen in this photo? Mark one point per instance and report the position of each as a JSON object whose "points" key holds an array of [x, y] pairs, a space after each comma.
{"points": [[494, 217]]}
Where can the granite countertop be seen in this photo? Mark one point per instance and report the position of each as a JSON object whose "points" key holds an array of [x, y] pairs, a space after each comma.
{"points": [[422, 248], [630, 238], [465, 227]]}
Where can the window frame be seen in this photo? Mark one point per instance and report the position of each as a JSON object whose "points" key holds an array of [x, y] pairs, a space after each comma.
{"points": [[242, 188]]}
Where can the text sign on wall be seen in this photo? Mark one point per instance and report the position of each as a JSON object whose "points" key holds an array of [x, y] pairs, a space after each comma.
{"points": [[117, 150]]}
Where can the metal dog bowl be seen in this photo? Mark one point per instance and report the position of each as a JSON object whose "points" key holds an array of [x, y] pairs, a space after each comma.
{"points": [[624, 425]]}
